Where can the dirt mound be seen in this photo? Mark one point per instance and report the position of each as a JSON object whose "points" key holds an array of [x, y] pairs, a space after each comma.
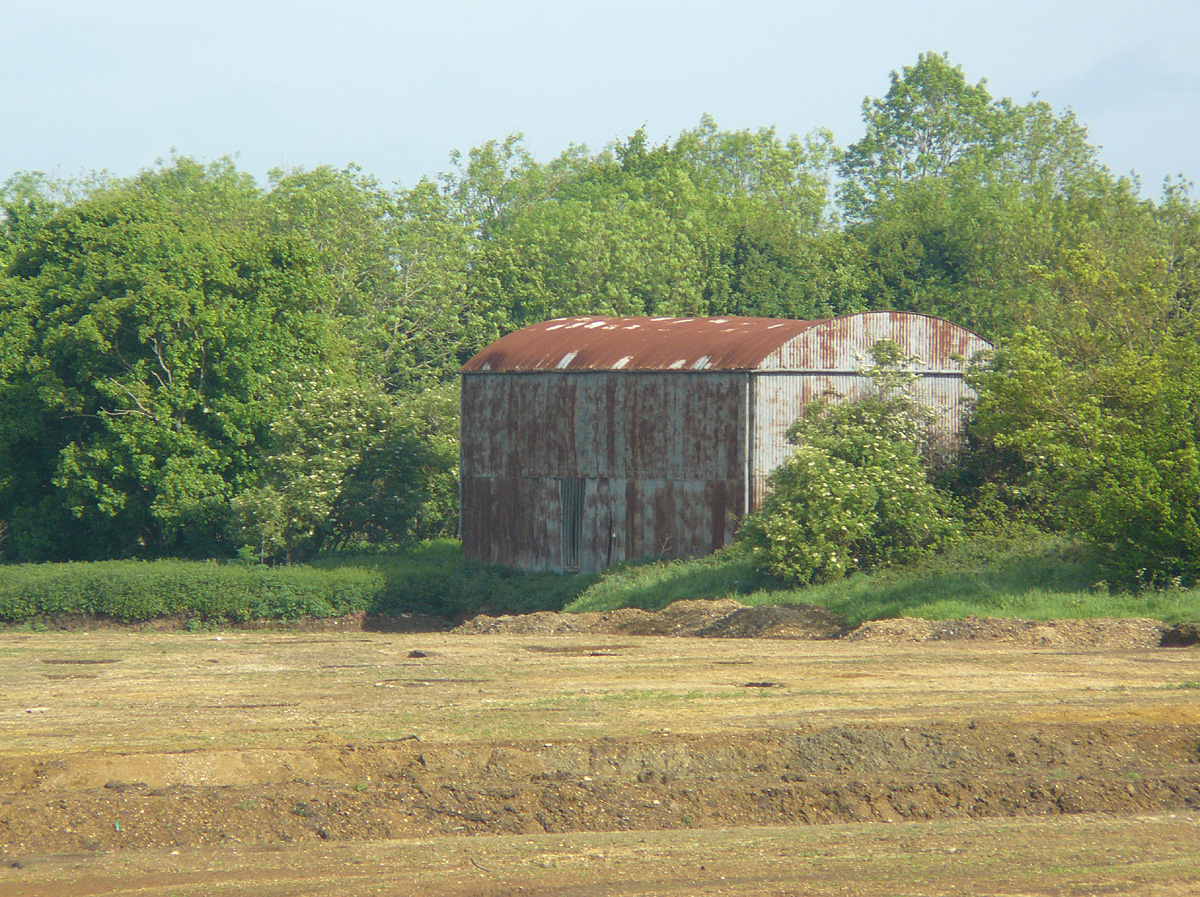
{"points": [[1181, 635], [725, 618], [1112, 634], [697, 618]]}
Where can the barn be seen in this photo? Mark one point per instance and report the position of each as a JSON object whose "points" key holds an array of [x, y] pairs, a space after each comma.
{"points": [[589, 441]]}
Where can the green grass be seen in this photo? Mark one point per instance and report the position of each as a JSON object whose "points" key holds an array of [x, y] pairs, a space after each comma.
{"points": [[652, 585], [1038, 579]]}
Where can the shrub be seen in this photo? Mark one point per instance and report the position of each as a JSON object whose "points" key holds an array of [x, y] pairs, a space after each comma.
{"points": [[855, 494], [135, 591]]}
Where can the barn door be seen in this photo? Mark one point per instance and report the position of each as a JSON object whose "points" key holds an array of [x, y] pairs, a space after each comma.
{"points": [[571, 493]]}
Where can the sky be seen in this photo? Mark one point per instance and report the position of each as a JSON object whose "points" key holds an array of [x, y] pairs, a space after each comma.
{"points": [[395, 87]]}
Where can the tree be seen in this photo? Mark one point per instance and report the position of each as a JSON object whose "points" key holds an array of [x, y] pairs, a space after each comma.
{"points": [[716, 222], [145, 329], [346, 463], [956, 198], [930, 121], [1099, 401]]}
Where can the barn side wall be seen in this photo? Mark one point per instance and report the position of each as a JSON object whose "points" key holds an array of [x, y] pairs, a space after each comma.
{"points": [[661, 457]]}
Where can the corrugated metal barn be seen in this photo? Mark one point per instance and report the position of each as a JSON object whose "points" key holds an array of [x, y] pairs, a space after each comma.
{"points": [[589, 441]]}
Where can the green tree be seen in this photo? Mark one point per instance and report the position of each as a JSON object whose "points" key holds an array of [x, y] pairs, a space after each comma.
{"points": [[716, 222], [345, 464], [1101, 407], [957, 199], [144, 327]]}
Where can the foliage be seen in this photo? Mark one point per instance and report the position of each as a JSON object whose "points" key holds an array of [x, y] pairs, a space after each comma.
{"points": [[136, 591], [713, 223], [955, 198], [652, 585], [854, 494], [190, 362], [142, 326], [346, 463], [1109, 447]]}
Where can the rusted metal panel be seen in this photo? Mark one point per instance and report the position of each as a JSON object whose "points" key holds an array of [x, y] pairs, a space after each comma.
{"points": [[512, 520], [638, 344], [843, 344], [661, 454], [678, 518], [729, 343], [654, 424], [518, 520]]}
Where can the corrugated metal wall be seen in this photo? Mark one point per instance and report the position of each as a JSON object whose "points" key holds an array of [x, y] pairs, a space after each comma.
{"points": [[662, 456], [779, 399]]}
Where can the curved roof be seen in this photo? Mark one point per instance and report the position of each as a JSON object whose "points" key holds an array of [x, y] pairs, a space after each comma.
{"points": [[649, 344], [727, 343]]}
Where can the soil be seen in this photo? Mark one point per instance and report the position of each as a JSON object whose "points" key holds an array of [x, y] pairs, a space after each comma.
{"points": [[547, 732]]}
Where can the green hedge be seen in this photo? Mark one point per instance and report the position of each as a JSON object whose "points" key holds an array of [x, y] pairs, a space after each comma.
{"points": [[434, 578], [135, 591]]}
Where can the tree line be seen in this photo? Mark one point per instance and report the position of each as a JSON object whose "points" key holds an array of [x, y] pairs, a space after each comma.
{"points": [[193, 364]]}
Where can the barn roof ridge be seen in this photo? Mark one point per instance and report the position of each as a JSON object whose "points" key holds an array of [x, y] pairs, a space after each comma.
{"points": [[662, 343]]}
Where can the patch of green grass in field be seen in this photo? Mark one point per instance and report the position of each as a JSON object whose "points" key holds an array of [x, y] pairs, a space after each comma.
{"points": [[203, 593], [1043, 578]]}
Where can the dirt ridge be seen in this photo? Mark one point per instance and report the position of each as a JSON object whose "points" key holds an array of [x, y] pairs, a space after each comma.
{"points": [[818, 776]]}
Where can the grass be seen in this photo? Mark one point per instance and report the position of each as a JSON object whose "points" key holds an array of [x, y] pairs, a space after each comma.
{"points": [[652, 585], [1037, 579], [200, 592]]}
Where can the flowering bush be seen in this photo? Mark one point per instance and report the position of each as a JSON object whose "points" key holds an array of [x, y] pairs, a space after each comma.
{"points": [[855, 494]]}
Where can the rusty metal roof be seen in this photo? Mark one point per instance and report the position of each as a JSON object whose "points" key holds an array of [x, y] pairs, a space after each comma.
{"points": [[648, 344]]}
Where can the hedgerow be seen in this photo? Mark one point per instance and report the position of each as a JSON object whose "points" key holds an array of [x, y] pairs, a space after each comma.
{"points": [[434, 578], [136, 591]]}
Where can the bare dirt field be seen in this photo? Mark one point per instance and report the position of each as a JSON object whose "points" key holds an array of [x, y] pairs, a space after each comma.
{"points": [[525, 756]]}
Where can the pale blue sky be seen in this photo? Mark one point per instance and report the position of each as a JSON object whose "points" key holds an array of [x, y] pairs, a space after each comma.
{"points": [[395, 87]]}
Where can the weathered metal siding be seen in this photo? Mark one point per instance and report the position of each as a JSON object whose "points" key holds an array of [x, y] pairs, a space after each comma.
{"points": [[823, 361], [841, 344], [662, 455]]}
